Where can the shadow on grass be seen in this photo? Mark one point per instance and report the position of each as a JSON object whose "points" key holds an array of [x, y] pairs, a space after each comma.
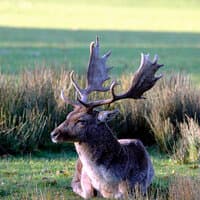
{"points": [[22, 48]]}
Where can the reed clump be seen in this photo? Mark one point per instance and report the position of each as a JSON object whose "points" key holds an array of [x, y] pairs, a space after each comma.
{"points": [[30, 107]]}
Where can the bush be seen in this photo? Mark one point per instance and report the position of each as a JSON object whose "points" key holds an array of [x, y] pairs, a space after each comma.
{"points": [[188, 147], [170, 103], [30, 107]]}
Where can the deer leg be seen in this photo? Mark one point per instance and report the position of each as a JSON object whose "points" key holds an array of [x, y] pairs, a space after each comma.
{"points": [[144, 188], [86, 185], [76, 181], [81, 183]]}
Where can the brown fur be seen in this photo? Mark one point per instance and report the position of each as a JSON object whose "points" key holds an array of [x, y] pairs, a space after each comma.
{"points": [[106, 165]]}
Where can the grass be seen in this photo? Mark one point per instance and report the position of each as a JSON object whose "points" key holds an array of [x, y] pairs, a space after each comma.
{"points": [[31, 108], [24, 176], [153, 15], [22, 48], [47, 175], [32, 35]]}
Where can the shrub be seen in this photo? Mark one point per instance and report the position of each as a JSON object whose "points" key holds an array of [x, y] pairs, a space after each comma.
{"points": [[170, 103], [188, 146], [30, 107]]}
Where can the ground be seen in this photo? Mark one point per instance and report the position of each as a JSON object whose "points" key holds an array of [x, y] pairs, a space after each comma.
{"points": [[47, 175]]}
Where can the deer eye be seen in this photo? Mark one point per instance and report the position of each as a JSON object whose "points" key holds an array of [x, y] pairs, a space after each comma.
{"points": [[82, 121]]}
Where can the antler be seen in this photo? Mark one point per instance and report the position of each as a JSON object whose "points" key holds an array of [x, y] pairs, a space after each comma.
{"points": [[143, 80], [97, 73]]}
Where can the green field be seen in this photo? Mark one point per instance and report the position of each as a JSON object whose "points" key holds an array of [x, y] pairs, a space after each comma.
{"points": [[46, 175], [148, 15], [57, 34]]}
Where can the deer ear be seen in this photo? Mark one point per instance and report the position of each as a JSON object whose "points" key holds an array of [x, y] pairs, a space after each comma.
{"points": [[105, 116]]}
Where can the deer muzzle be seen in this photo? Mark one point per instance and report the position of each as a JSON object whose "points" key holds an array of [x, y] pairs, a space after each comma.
{"points": [[54, 135]]}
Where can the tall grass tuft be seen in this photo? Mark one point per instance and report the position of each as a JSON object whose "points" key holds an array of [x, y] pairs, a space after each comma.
{"points": [[170, 102], [30, 107], [188, 147]]}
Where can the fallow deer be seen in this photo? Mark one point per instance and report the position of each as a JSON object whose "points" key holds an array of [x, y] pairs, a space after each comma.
{"points": [[106, 166]]}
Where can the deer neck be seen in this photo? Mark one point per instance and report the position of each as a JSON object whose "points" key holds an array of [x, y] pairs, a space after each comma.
{"points": [[99, 150]]}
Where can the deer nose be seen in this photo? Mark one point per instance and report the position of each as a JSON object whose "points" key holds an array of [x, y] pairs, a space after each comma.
{"points": [[54, 134]]}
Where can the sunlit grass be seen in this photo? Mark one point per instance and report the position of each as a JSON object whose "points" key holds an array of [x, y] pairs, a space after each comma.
{"points": [[57, 33], [35, 48], [151, 15], [49, 174], [25, 175], [167, 167]]}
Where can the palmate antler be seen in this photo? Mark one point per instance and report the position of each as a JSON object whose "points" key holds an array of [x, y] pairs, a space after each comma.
{"points": [[143, 79], [97, 73]]}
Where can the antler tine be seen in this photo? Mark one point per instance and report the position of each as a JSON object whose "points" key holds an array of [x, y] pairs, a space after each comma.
{"points": [[80, 91], [66, 100], [94, 50], [97, 47], [106, 55]]}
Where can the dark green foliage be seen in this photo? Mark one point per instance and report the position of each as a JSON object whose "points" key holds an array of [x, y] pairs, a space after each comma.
{"points": [[47, 175], [174, 101], [31, 108]]}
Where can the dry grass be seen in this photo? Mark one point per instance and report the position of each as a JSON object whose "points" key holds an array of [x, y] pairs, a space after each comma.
{"points": [[171, 102], [188, 147], [159, 118], [184, 188], [31, 107]]}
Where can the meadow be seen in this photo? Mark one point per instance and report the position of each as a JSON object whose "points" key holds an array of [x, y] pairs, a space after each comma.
{"points": [[41, 41], [47, 175], [32, 35]]}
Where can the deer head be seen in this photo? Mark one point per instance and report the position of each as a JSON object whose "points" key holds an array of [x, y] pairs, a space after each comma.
{"points": [[80, 123]]}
